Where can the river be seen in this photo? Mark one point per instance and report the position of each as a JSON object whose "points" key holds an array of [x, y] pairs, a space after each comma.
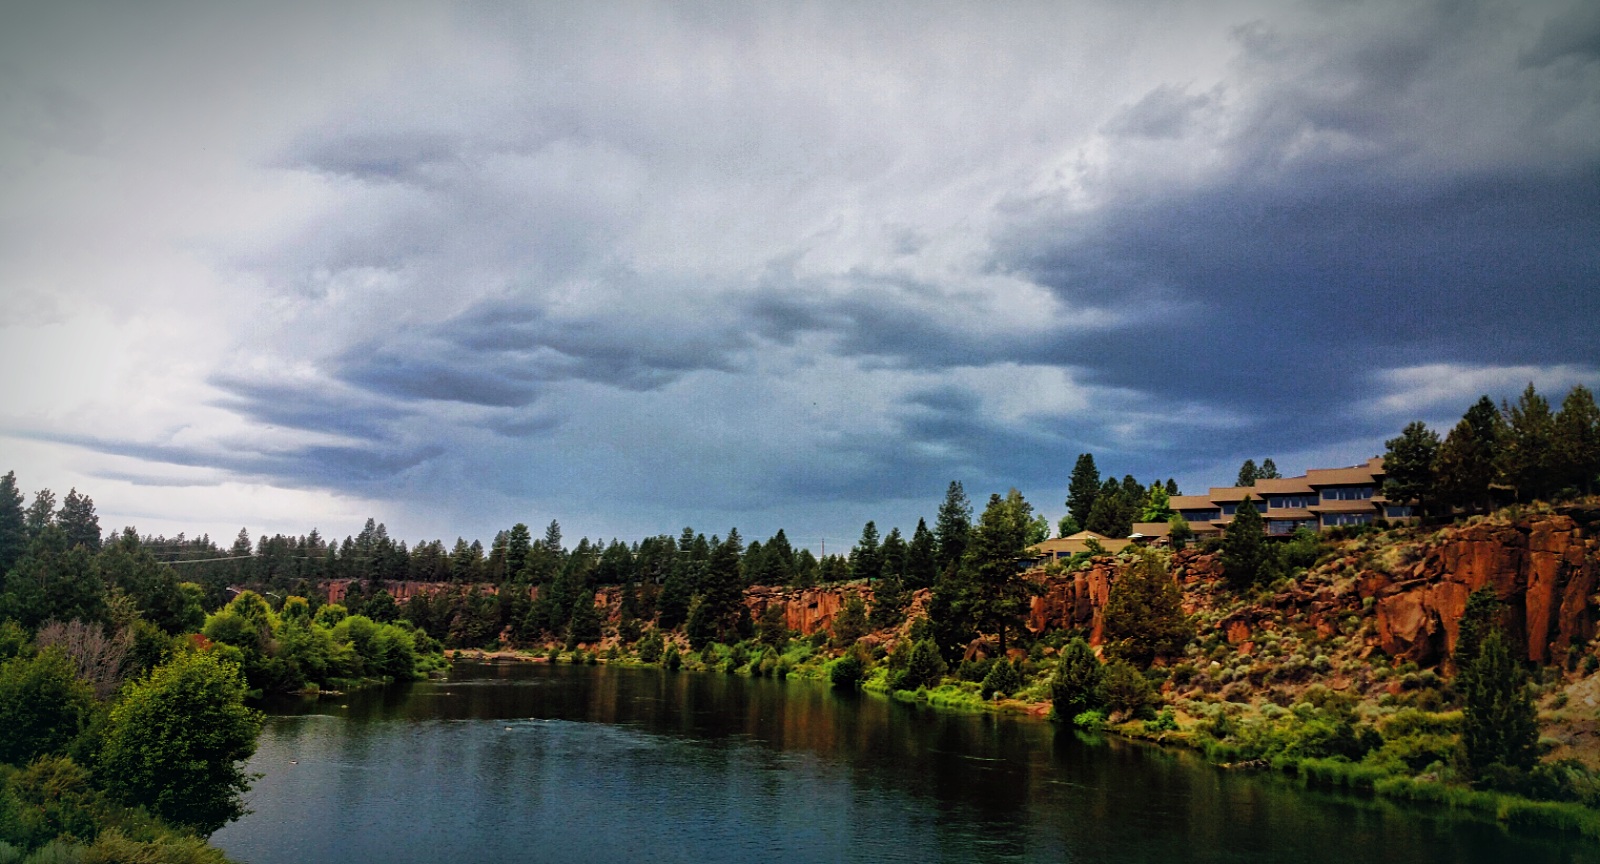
{"points": [[535, 763]]}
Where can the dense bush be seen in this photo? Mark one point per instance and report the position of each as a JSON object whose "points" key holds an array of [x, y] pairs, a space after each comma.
{"points": [[1003, 679], [1078, 684]]}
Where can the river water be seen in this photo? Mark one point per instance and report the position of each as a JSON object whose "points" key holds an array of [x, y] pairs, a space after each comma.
{"points": [[536, 763]]}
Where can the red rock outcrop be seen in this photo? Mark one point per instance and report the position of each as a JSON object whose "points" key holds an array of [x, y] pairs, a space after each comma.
{"points": [[1543, 570], [1074, 600], [804, 609]]}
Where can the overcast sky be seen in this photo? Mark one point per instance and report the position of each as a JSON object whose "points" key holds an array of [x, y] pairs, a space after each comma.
{"points": [[636, 267]]}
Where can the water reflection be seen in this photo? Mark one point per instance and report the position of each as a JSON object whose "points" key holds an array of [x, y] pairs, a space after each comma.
{"points": [[522, 762]]}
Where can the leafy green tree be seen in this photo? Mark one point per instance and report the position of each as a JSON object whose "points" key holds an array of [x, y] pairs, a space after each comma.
{"points": [[1144, 616], [1499, 730], [1245, 557], [1157, 504], [922, 562], [177, 740], [1082, 489], [1408, 461], [151, 585], [954, 526], [1079, 682], [1067, 527], [846, 672], [1527, 453], [866, 559], [44, 706], [1576, 451], [1248, 474], [13, 523]]}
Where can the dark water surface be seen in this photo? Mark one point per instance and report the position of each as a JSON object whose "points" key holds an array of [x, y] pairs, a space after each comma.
{"points": [[528, 762]]}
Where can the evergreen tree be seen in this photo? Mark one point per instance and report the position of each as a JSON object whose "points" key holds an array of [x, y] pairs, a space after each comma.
{"points": [[1172, 487], [866, 559], [1244, 549], [851, 622], [1577, 443], [1499, 730], [1114, 510], [724, 585], [1527, 451], [518, 543], [13, 523], [1179, 534], [1408, 461], [954, 526], [779, 564], [1247, 473], [952, 605], [1268, 470], [52, 582], [1001, 592], [584, 622], [1468, 460], [922, 563], [893, 553], [1079, 682], [41, 513], [1083, 488], [1144, 616], [806, 570]]}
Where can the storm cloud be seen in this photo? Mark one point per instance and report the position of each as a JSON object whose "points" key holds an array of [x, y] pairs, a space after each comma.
{"points": [[794, 266]]}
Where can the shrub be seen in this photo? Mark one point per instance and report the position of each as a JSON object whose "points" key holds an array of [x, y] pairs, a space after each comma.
{"points": [[1078, 685], [1127, 692], [1089, 721], [924, 669], [1003, 679], [846, 672], [672, 659], [650, 647], [43, 706]]}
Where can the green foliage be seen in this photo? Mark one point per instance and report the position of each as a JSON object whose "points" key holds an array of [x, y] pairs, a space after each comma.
{"points": [[1128, 692], [1003, 679], [1178, 532], [1468, 460], [176, 741], [1157, 504], [924, 668], [922, 560], [1576, 456], [1247, 474], [650, 647], [1079, 682], [672, 660], [954, 526], [1499, 731], [1144, 616], [1245, 558], [999, 593], [846, 672], [851, 622], [1082, 490], [53, 581], [1408, 461], [1089, 721], [44, 707]]}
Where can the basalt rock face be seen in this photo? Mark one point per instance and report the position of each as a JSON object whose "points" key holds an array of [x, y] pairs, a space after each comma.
{"points": [[1543, 569], [804, 609], [1074, 600]]}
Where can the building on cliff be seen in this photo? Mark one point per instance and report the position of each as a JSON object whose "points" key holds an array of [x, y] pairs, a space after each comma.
{"points": [[1320, 499]]}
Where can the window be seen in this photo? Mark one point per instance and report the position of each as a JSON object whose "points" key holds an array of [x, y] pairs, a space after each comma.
{"points": [[1231, 508], [1288, 526], [1291, 502], [1397, 511], [1330, 520], [1200, 515], [1347, 493]]}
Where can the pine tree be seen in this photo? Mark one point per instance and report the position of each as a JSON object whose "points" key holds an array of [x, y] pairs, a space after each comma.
{"points": [[1083, 488], [13, 523], [1247, 474], [954, 526], [1268, 470], [1468, 459], [41, 514], [1499, 730], [922, 563], [1577, 442], [1244, 550], [866, 559], [1526, 456], [518, 543], [1409, 461], [1172, 487], [1144, 614], [1079, 682], [1001, 592]]}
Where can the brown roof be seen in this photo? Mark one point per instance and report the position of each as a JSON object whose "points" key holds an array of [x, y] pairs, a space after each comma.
{"points": [[1191, 502], [1152, 529], [1356, 475], [1078, 542], [1231, 493], [1288, 513]]}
